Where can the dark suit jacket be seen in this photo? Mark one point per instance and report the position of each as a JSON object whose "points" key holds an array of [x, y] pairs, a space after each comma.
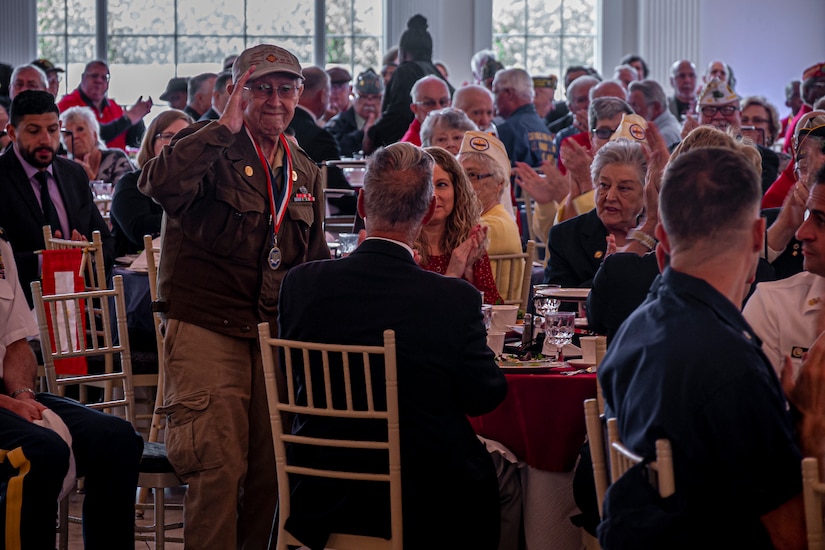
{"points": [[344, 128], [619, 287], [576, 248], [770, 166], [445, 372], [320, 146], [23, 220]]}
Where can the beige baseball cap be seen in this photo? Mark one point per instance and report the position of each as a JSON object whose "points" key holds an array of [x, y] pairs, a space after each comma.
{"points": [[267, 59], [486, 144]]}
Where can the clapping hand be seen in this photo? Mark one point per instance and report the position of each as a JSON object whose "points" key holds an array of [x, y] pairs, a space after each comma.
{"points": [[139, 110], [553, 186], [577, 161], [467, 253], [657, 155]]}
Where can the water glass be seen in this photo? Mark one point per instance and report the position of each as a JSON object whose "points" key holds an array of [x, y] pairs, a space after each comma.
{"points": [[348, 242], [543, 303], [559, 327], [101, 189], [487, 314]]}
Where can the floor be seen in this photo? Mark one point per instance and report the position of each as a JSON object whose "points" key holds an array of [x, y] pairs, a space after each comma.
{"points": [[172, 496]]}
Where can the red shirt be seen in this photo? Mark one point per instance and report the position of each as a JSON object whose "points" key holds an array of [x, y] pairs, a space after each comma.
{"points": [[111, 111], [582, 138], [482, 273], [787, 147], [413, 134], [776, 193]]}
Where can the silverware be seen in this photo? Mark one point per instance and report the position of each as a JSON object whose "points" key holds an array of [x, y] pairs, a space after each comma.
{"points": [[579, 371]]}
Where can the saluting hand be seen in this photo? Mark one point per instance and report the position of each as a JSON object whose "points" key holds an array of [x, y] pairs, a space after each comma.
{"points": [[232, 116]]}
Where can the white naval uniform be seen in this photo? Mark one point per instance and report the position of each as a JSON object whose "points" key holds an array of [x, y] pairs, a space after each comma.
{"points": [[784, 315]]}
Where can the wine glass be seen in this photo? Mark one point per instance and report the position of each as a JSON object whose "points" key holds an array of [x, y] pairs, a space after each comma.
{"points": [[347, 243], [543, 303], [559, 327], [487, 313]]}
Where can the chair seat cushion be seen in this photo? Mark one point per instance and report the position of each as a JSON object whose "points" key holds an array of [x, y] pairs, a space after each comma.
{"points": [[154, 459]]}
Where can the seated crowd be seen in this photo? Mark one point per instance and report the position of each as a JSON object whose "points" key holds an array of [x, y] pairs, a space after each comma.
{"points": [[693, 219]]}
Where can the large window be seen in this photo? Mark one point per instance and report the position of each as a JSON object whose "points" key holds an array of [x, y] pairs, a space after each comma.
{"points": [[149, 41], [545, 36]]}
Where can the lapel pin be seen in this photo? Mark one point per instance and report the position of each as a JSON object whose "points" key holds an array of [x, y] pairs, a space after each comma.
{"points": [[248, 171], [598, 254]]}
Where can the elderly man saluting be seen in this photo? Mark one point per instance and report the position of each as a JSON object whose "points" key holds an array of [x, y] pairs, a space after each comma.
{"points": [[242, 206]]}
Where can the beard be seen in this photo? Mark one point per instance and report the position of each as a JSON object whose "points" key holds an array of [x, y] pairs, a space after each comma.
{"points": [[39, 157]]}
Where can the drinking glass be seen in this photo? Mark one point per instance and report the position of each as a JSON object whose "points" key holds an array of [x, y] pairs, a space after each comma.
{"points": [[543, 303], [487, 313], [559, 327], [101, 189], [348, 242]]}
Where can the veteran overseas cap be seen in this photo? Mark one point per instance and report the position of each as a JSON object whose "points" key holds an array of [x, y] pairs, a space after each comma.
{"points": [[486, 144]]}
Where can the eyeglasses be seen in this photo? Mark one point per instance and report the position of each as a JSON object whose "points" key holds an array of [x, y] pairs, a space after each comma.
{"points": [[370, 97], [97, 76], [710, 110], [479, 177], [800, 137], [604, 133], [165, 136], [432, 104], [265, 91]]}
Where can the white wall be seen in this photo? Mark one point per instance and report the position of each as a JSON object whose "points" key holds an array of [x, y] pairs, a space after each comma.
{"points": [[767, 42]]}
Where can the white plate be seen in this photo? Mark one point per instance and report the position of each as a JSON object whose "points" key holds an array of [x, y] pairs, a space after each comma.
{"points": [[569, 293]]}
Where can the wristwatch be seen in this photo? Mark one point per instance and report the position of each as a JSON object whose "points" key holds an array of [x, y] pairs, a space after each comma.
{"points": [[647, 240], [23, 390]]}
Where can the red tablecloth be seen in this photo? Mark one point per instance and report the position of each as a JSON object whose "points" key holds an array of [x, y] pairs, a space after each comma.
{"points": [[542, 419]]}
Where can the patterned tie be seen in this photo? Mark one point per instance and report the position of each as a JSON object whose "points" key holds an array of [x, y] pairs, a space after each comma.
{"points": [[46, 203]]}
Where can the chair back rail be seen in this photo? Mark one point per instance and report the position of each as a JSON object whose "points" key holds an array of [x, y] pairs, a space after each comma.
{"points": [[508, 265], [622, 459], [323, 397], [813, 493]]}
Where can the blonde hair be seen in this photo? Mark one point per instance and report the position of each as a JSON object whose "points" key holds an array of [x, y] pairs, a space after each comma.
{"points": [[710, 136]]}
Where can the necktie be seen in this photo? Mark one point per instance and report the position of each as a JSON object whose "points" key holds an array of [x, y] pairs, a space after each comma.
{"points": [[49, 211]]}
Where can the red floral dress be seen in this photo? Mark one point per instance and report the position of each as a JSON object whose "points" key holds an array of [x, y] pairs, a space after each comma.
{"points": [[482, 273]]}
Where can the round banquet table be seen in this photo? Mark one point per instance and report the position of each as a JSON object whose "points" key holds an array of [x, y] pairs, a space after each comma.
{"points": [[542, 418], [541, 422]]}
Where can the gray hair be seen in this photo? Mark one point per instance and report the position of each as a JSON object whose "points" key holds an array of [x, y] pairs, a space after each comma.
{"points": [[622, 151], [41, 73], [606, 107], [773, 116], [652, 90], [517, 80], [86, 115], [449, 118], [398, 187], [194, 84], [424, 79], [582, 81]]}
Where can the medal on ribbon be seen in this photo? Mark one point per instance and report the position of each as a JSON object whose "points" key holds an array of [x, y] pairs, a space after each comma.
{"points": [[278, 211]]}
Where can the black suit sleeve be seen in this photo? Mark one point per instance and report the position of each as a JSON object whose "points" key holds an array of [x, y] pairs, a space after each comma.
{"points": [[134, 213]]}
